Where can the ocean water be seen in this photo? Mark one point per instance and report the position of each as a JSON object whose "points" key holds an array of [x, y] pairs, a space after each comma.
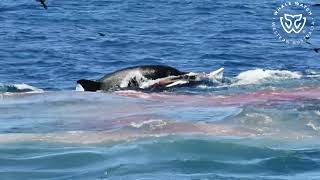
{"points": [[261, 122]]}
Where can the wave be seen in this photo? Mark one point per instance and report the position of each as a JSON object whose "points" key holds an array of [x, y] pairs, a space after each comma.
{"points": [[311, 73], [177, 156], [18, 88], [259, 77]]}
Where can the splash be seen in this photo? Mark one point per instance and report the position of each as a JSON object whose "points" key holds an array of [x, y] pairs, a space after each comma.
{"points": [[18, 88], [259, 76]]}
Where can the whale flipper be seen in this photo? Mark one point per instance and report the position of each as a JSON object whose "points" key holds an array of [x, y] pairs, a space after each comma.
{"points": [[216, 75], [89, 85]]}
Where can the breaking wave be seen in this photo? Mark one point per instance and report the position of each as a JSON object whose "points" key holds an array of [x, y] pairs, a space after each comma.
{"points": [[18, 88], [258, 76]]}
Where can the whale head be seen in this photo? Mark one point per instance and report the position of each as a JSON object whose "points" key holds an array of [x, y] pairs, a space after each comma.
{"points": [[89, 85]]}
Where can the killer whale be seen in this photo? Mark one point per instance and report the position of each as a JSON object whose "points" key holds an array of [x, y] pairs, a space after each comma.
{"points": [[145, 77]]}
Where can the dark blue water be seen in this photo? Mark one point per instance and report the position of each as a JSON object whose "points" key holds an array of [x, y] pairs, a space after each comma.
{"points": [[63, 134], [52, 49]]}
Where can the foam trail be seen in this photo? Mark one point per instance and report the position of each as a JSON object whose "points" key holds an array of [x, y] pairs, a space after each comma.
{"points": [[150, 128]]}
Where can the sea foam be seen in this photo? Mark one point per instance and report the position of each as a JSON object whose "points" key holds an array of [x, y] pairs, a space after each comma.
{"points": [[258, 76]]}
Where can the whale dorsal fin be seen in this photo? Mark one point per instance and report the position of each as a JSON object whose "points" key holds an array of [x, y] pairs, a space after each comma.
{"points": [[89, 85]]}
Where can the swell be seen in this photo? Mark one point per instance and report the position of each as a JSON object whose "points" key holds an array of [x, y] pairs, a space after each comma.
{"points": [[177, 156]]}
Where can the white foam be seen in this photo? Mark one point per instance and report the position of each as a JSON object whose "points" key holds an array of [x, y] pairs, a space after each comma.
{"points": [[132, 75], [258, 76], [313, 126], [313, 75], [152, 124], [28, 88], [25, 87]]}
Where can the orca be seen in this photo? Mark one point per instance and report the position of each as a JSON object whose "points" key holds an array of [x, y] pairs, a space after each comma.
{"points": [[145, 77]]}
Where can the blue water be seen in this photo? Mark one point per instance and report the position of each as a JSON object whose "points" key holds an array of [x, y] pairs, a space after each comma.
{"points": [[57, 133]]}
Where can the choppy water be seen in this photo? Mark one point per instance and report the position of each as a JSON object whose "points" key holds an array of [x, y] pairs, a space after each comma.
{"points": [[256, 124]]}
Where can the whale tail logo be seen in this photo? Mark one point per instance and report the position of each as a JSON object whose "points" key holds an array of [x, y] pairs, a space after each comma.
{"points": [[293, 23]]}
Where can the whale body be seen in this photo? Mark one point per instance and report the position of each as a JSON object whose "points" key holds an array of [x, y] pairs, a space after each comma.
{"points": [[148, 77], [137, 77]]}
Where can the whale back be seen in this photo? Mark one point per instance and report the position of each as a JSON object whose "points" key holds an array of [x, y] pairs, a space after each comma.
{"points": [[148, 71], [89, 85], [128, 77], [159, 71], [113, 81]]}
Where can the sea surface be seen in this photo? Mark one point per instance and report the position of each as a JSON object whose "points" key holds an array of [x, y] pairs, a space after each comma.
{"points": [[261, 122]]}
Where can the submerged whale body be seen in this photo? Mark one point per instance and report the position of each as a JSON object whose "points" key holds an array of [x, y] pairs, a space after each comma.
{"points": [[137, 77]]}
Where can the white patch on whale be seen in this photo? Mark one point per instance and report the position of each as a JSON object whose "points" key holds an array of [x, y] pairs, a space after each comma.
{"points": [[180, 82], [216, 75], [79, 88], [136, 75], [151, 124]]}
